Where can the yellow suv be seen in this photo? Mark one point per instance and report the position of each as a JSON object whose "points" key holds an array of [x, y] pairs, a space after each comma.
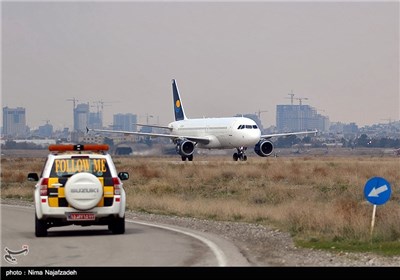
{"points": [[79, 185]]}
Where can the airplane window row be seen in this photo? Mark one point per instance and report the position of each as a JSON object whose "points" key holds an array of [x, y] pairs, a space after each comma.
{"points": [[247, 126]]}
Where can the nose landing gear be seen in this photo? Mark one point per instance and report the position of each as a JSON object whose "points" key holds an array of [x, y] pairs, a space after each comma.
{"points": [[241, 154]]}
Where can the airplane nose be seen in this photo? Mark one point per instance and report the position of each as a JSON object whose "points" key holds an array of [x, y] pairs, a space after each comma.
{"points": [[255, 135]]}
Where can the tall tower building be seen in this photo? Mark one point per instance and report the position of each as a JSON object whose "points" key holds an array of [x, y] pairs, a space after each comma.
{"points": [[125, 122], [14, 122], [95, 120], [81, 117]]}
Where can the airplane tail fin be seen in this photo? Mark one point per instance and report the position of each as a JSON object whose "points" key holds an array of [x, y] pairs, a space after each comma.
{"points": [[178, 108]]}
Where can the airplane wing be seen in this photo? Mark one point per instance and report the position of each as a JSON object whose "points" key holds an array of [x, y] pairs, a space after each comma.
{"points": [[156, 126], [267, 136], [203, 140]]}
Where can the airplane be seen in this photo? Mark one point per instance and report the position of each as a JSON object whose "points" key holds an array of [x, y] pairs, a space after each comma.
{"points": [[211, 133]]}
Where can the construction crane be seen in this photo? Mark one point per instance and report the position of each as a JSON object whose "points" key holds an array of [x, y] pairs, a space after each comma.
{"points": [[100, 107], [100, 104], [291, 97], [147, 116], [300, 99], [297, 98], [74, 100]]}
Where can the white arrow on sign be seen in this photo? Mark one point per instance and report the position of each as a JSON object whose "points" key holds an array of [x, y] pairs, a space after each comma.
{"points": [[375, 192]]}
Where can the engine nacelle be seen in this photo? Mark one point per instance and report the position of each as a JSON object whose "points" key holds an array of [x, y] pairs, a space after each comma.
{"points": [[264, 148], [185, 147]]}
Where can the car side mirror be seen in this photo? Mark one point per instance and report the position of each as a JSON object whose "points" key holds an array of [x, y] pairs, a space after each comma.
{"points": [[123, 176], [33, 177]]}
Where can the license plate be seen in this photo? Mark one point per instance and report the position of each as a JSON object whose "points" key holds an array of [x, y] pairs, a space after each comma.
{"points": [[81, 216]]}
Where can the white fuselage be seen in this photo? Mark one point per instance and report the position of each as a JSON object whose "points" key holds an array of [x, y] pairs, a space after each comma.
{"points": [[222, 133]]}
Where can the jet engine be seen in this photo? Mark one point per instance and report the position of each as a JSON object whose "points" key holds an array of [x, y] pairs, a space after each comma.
{"points": [[263, 148], [185, 147]]}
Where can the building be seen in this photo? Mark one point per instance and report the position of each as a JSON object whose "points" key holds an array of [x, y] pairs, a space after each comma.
{"points": [[81, 117], [14, 122], [299, 118], [95, 120], [45, 130], [126, 122]]}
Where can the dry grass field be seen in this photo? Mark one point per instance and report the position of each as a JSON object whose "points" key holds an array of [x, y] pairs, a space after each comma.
{"points": [[315, 198]]}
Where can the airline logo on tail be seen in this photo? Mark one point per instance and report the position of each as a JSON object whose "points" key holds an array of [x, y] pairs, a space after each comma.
{"points": [[178, 109]]}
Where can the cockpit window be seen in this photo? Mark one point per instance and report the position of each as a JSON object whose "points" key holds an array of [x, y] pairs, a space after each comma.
{"points": [[247, 126]]}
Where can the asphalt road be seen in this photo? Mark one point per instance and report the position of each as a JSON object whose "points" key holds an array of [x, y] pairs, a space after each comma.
{"points": [[143, 244]]}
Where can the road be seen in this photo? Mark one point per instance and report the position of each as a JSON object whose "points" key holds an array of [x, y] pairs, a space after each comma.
{"points": [[143, 244]]}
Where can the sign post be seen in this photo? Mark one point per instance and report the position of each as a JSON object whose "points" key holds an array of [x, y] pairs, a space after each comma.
{"points": [[377, 191]]}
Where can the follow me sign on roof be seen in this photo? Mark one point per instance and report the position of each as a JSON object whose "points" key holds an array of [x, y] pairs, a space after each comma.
{"points": [[377, 190]]}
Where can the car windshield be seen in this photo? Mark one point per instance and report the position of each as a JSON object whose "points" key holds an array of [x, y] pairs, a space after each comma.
{"points": [[67, 167]]}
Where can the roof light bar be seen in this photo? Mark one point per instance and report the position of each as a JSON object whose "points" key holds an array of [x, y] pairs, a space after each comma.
{"points": [[78, 147]]}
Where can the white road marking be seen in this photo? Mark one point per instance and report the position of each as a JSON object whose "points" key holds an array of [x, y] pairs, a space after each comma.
{"points": [[221, 259]]}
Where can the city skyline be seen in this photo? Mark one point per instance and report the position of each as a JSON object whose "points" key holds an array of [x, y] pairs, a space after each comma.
{"points": [[228, 58], [288, 118]]}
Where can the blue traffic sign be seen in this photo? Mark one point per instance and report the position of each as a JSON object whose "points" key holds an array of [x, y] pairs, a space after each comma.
{"points": [[377, 190]]}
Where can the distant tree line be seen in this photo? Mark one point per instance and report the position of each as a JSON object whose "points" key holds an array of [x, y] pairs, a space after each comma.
{"points": [[12, 145], [282, 142], [362, 141], [384, 142]]}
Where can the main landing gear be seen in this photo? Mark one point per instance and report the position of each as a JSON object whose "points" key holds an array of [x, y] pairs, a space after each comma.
{"points": [[189, 158], [241, 154]]}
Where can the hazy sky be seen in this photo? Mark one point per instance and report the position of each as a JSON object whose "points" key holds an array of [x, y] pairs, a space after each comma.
{"points": [[227, 57]]}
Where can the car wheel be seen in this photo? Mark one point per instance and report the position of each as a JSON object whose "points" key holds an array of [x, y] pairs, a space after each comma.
{"points": [[117, 226], [40, 227]]}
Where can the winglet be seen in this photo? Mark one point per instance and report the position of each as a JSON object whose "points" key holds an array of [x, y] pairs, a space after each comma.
{"points": [[178, 108]]}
